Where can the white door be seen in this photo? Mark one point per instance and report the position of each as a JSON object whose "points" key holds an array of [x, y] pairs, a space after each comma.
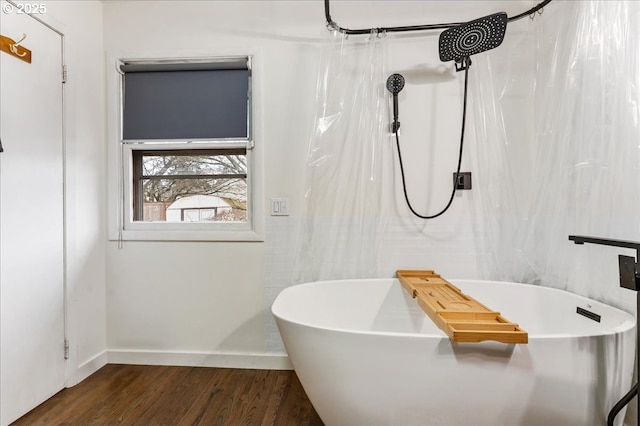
{"points": [[32, 364]]}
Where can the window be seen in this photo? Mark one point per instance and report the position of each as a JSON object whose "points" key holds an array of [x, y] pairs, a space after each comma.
{"points": [[187, 150]]}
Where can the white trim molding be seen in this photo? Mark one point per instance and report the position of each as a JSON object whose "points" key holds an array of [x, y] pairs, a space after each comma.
{"points": [[259, 361]]}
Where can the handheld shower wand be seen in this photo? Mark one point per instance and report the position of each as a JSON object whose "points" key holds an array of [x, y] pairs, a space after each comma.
{"points": [[395, 83]]}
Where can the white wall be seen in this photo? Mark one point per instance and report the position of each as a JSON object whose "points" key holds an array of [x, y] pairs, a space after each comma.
{"points": [[198, 303], [81, 23]]}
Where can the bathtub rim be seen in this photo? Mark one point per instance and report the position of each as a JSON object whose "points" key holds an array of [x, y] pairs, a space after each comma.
{"points": [[628, 323]]}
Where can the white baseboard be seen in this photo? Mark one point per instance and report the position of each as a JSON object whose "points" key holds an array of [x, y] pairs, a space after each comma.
{"points": [[201, 359], [89, 367]]}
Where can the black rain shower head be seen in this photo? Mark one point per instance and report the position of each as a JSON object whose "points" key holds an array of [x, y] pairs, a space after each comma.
{"points": [[460, 42]]}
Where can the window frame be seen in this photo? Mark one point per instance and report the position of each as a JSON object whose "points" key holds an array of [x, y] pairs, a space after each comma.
{"points": [[130, 230], [132, 225]]}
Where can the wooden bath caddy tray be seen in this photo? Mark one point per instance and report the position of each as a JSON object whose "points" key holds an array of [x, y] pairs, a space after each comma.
{"points": [[463, 318]]}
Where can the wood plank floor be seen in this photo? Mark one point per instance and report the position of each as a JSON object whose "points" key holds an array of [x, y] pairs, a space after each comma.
{"points": [[156, 395]]}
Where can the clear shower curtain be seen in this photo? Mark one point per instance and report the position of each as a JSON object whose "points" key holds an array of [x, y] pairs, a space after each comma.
{"points": [[344, 188], [587, 128], [502, 106], [585, 175]]}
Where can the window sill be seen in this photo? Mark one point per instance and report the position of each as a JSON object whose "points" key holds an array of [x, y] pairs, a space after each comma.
{"points": [[186, 235]]}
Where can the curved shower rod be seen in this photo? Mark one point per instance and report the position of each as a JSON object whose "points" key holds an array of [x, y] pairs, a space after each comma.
{"points": [[331, 24]]}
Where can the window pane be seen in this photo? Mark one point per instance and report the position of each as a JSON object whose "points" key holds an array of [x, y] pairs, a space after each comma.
{"points": [[190, 185], [182, 165], [195, 200]]}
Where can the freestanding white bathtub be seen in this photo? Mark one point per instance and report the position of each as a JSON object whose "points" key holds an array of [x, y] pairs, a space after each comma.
{"points": [[366, 354]]}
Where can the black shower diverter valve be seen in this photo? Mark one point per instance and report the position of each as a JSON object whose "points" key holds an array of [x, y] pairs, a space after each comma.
{"points": [[473, 37]]}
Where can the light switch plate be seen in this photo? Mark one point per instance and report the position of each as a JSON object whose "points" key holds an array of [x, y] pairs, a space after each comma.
{"points": [[279, 207]]}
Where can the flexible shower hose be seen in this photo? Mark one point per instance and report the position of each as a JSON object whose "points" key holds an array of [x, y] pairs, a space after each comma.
{"points": [[453, 192]]}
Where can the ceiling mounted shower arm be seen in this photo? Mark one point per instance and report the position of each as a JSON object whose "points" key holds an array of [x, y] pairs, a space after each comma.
{"points": [[333, 26]]}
